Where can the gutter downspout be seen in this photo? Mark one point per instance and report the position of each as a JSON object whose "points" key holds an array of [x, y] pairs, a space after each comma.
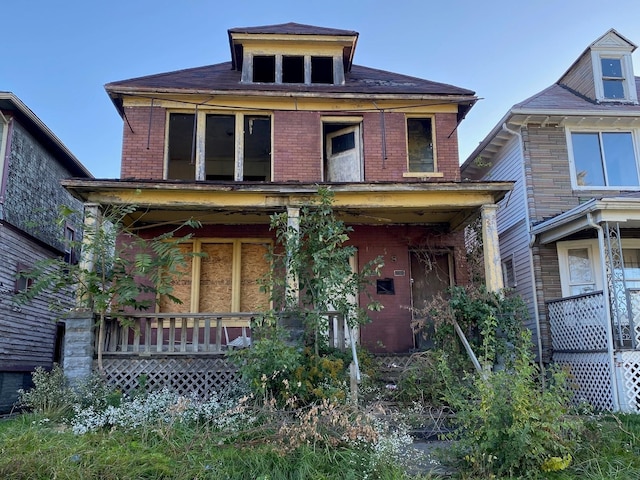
{"points": [[532, 239], [607, 307]]}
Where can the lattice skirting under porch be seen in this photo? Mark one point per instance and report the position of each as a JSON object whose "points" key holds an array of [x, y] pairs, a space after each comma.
{"points": [[589, 374], [628, 370], [202, 376]]}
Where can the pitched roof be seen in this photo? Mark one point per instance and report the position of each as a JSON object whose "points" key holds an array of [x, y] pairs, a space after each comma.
{"points": [[222, 78], [292, 28], [11, 103]]}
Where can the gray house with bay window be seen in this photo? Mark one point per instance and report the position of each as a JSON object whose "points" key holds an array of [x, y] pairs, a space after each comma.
{"points": [[569, 231]]}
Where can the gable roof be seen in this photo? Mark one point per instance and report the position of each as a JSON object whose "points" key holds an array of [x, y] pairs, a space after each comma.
{"points": [[10, 103], [553, 104], [292, 28]]}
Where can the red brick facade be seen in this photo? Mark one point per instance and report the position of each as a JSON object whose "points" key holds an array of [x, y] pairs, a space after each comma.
{"points": [[143, 143]]}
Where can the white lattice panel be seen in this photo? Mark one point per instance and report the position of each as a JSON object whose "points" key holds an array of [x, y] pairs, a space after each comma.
{"points": [[590, 377], [201, 376], [628, 366], [578, 323]]}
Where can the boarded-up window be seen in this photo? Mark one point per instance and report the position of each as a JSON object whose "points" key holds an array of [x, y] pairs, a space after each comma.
{"points": [[181, 286], [227, 278], [254, 267], [216, 282]]}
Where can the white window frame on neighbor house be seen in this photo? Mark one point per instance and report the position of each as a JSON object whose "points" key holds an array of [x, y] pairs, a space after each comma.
{"points": [[422, 173], [635, 139], [571, 287], [199, 141], [627, 78]]}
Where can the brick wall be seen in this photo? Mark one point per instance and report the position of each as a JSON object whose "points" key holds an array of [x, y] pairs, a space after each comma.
{"points": [[297, 146], [143, 152], [447, 146], [547, 170]]}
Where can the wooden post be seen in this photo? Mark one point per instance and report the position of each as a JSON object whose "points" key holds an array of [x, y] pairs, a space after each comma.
{"points": [[491, 249]]}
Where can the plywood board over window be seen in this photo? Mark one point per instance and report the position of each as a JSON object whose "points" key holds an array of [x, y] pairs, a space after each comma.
{"points": [[182, 286], [225, 278]]}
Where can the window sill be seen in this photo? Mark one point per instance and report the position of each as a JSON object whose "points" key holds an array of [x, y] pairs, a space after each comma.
{"points": [[423, 174]]}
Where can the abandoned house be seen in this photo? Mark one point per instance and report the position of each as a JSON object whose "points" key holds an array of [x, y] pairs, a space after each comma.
{"points": [[232, 143], [32, 163], [569, 237]]}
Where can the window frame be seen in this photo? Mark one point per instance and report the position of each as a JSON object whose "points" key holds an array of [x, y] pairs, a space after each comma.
{"points": [[22, 284], [635, 138], [308, 59], [236, 270], [509, 266], [628, 78], [422, 174], [200, 141]]}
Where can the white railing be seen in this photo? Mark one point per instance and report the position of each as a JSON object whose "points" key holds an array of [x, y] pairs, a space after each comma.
{"points": [[578, 323]]}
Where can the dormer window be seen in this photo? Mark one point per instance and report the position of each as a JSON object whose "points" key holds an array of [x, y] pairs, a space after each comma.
{"points": [[264, 69], [299, 69], [612, 78]]}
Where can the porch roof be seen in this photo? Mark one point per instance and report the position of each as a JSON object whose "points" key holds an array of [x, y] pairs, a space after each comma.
{"points": [[384, 203], [624, 210]]}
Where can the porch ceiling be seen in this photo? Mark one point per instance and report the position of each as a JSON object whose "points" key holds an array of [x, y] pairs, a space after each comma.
{"points": [[622, 210], [450, 203]]}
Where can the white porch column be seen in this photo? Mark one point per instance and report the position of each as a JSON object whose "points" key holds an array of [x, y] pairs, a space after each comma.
{"points": [[87, 255], [491, 248], [293, 236]]}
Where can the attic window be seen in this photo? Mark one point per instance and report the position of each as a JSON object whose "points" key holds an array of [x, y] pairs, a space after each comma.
{"points": [[293, 69], [322, 70], [264, 69], [612, 78]]}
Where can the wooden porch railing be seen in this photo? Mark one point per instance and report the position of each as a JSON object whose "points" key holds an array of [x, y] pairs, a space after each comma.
{"points": [[190, 333]]}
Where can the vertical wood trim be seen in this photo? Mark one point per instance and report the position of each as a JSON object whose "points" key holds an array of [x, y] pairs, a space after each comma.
{"points": [[338, 70], [159, 335], [236, 275], [307, 69], [195, 337], [147, 335], [201, 124], [165, 162], [239, 167], [279, 68], [195, 277]]}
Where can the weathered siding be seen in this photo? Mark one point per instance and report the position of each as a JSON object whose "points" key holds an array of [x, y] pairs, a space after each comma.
{"points": [[27, 332], [33, 192], [547, 172], [580, 77], [545, 258], [508, 167]]}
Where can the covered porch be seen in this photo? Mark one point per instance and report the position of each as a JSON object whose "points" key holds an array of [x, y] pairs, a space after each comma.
{"points": [[595, 325]]}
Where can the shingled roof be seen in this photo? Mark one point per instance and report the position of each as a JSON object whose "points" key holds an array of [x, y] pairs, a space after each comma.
{"points": [[292, 29]]}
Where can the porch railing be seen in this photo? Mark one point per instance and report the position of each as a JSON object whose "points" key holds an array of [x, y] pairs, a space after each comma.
{"points": [[150, 334], [578, 323]]}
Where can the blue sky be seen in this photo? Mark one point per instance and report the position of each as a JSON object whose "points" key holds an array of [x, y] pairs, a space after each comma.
{"points": [[57, 55]]}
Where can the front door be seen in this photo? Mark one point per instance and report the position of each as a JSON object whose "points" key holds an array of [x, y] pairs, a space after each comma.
{"points": [[430, 275], [344, 161]]}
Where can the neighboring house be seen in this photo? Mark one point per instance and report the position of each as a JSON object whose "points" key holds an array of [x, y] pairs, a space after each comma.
{"points": [[569, 238], [33, 161], [232, 143]]}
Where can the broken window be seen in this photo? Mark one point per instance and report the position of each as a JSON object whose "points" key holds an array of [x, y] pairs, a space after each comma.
{"points": [[343, 152], [181, 154], [322, 70], [420, 145], [264, 69], [293, 69], [228, 155]]}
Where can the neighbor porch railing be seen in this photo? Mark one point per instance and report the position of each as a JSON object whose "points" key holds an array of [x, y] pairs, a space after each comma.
{"points": [[191, 333]]}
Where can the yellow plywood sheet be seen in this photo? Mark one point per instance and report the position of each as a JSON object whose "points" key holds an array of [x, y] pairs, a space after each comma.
{"points": [[181, 286], [216, 271], [253, 267]]}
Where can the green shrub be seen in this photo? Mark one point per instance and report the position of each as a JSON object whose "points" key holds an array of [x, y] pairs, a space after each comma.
{"points": [[508, 423], [50, 395]]}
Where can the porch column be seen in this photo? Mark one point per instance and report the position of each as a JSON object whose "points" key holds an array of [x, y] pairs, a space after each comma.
{"points": [[491, 248], [77, 360], [88, 253], [293, 237]]}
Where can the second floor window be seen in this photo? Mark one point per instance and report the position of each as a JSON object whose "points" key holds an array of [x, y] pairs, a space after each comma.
{"points": [[612, 78], [604, 159], [234, 147], [420, 145]]}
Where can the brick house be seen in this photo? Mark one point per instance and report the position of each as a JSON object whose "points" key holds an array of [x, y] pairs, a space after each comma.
{"points": [[568, 231], [232, 143], [33, 161]]}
